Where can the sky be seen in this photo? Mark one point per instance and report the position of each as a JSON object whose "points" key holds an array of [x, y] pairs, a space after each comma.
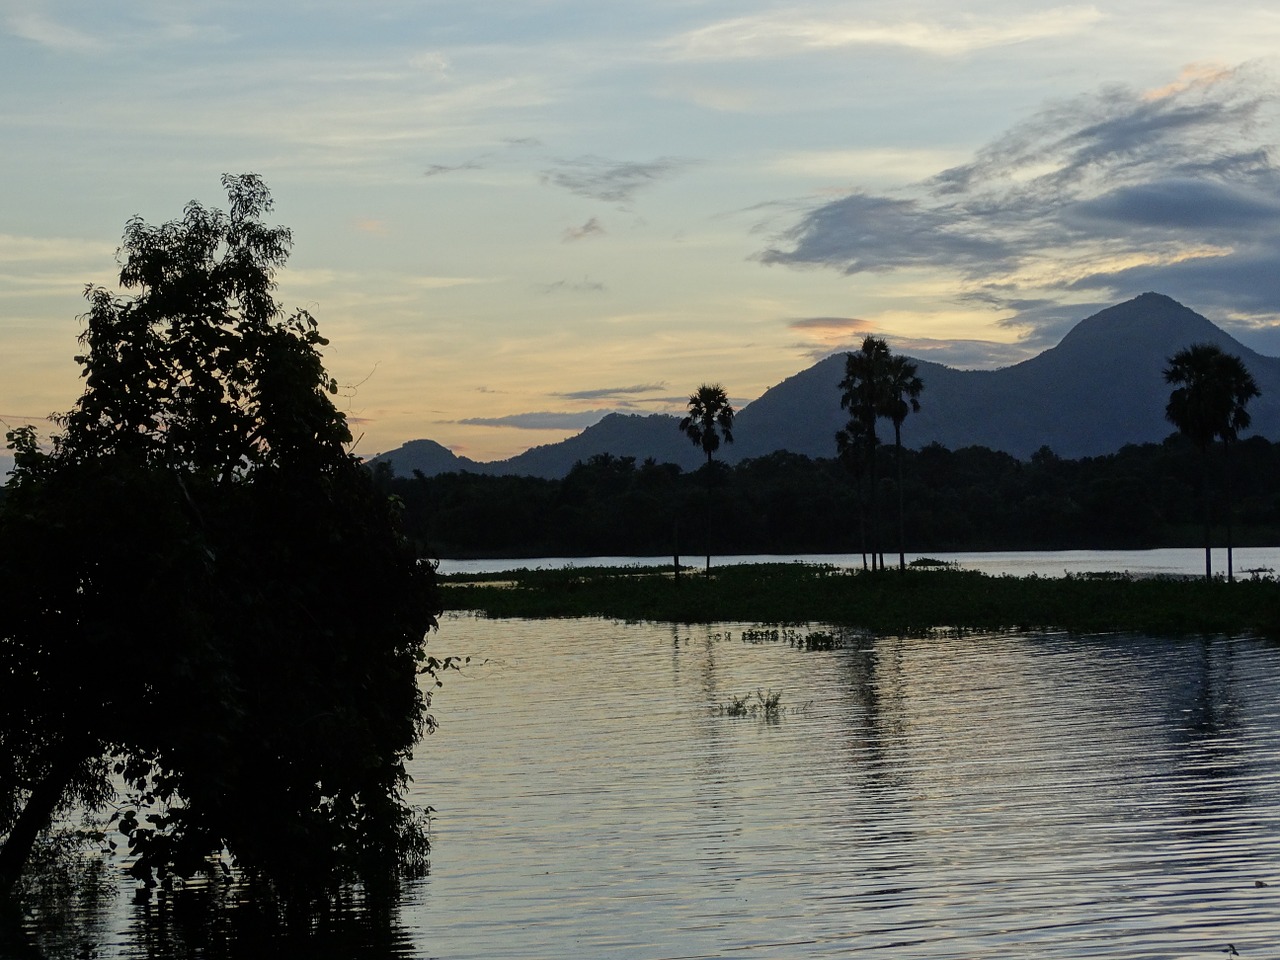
{"points": [[511, 218]]}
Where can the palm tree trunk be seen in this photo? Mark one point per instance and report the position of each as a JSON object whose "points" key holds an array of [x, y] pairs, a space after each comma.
{"points": [[1204, 481], [897, 444], [675, 548], [706, 516], [871, 484], [1226, 474], [862, 521]]}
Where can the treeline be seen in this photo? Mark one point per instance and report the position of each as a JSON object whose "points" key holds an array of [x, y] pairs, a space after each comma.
{"points": [[1147, 495]]}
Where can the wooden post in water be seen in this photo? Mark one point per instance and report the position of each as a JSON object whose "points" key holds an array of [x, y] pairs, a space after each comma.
{"points": [[675, 547]]}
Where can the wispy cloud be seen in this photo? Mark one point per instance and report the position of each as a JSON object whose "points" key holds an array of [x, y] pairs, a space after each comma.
{"points": [[584, 285], [93, 30], [541, 420], [612, 393], [439, 169], [599, 178], [964, 354], [37, 28], [592, 228], [441, 283], [18, 249], [788, 32], [1117, 192], [883, 163]]}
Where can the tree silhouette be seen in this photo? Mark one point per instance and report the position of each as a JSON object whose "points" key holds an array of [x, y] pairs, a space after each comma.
{"points": [[709, 420], [1211, 391], [206, 608], [901, 395], [863, 392], [851, 450]]}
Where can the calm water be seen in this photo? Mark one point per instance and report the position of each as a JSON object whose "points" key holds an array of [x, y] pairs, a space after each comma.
{"points": [[1043, 563], [942, 797]]}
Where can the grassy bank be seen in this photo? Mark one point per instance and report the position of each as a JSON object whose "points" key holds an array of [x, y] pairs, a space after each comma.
{"points": [[886, 602]]}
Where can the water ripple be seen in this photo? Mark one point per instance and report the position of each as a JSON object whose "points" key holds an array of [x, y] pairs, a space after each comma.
{"points": [[977, 796]]}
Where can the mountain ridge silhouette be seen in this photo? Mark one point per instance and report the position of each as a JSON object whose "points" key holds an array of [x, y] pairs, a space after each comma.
{"points": [[1099, 388]]}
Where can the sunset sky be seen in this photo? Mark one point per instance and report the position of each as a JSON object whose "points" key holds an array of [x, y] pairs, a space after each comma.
{"points": [[511, 218]]}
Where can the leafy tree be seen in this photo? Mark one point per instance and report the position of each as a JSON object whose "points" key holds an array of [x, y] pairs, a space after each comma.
{"points": [[902, 388], [864, 393], [710, 419], [1211, 391], [205, 598]]}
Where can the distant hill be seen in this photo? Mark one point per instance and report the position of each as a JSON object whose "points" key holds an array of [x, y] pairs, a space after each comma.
{"points": [[623, 435], [1101, 387], [428, 457]]}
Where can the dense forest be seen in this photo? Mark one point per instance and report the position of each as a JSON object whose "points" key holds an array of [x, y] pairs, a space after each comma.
{"points": [[1147, 495]]}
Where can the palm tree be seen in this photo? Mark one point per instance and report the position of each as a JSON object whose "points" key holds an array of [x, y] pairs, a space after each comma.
{"points": [[862, 393], [710, 419], [851, 450], [901, 390], [1211, 390]]}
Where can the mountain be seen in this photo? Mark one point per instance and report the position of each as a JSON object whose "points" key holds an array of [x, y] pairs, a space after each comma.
{"points": [[623, 435], [1101, 387], [428, 458]]}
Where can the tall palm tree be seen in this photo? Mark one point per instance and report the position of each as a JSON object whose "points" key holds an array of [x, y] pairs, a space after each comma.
{"points": [[901, 391], [1211, 390], [862, 393], [851, 450], [710, 419]]}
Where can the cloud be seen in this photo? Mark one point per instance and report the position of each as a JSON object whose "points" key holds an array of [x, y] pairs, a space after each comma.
{"points": [[860, 232], [1200, 205], [787, 33], [574, 286], [39, 29], [845, 325], [598, 178], [611, 393], [440, 283], [964, 354], [883, 163], [132, 27], [1108, 194], [543, 420], [591, 228], [20, 249], [440, 169]]}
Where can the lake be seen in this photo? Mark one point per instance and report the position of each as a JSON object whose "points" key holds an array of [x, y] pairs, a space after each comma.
{"points": [[948, 796]]}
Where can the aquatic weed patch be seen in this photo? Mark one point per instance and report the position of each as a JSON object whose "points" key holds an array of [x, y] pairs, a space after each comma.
{"points": [[893, 601]]}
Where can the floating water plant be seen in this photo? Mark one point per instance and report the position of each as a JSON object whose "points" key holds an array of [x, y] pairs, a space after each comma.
{"points": [[767, 706]]}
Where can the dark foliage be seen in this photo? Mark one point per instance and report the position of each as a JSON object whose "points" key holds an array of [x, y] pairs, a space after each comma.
{"points": [[206, 601], [1145, 495]]}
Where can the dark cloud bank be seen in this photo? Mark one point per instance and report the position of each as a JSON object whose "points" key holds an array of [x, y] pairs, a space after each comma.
{"points": [[1088, 202]]}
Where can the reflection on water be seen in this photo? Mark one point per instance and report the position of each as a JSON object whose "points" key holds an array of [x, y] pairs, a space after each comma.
{"points": [[958, 797]]}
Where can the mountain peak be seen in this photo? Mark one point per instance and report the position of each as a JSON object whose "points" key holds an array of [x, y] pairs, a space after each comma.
{"points": [[1146, 321], [1101, 387]]}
